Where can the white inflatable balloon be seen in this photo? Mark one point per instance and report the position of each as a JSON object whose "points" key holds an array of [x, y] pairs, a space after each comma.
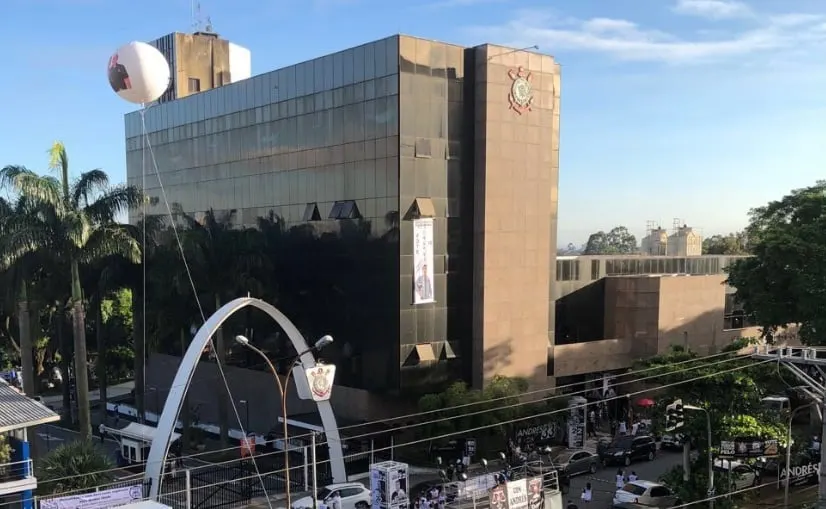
{"points": [[138, 73]]}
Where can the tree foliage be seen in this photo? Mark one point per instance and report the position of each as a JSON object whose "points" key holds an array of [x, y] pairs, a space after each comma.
{"points": [[73, 467], [712, 385], [731, 244], [617, 241], [783, 282]]}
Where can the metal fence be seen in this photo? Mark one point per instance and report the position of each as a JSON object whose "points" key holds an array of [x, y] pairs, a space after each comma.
{"points": [[475, 492]]}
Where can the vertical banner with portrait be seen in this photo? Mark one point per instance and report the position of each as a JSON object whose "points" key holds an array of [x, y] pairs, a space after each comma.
{"points": [[378, 486], [536, 493], [398, 487], [423, 261], [498, 498], [389, 485]]}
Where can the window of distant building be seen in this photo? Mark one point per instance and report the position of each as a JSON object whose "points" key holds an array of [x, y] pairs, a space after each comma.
{"points": [[734, 317], [567, 270], [594, 270], [194, 85]]}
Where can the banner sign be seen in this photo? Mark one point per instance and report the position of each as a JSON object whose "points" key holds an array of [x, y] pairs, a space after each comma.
{"points": [[748, 448], [99, 500], [423, 282], [576, 423], [802, 474], [520, 494], [317, 383], [389, 485]]}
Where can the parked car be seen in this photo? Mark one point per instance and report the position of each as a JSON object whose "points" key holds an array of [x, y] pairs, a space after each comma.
{"points": [[576, 462], [646, 493], [353, 496], [625, 450], [673, 442], [740, 475]]}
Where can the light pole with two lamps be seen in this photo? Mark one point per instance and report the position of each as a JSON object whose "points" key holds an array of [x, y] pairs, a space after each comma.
{"points": [[282, 389], [710, 456]]}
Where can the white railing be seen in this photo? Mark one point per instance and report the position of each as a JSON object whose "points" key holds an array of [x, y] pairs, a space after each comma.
{"points": [[16, 471]]}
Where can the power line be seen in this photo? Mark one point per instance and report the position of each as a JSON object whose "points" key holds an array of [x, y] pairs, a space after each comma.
{"points": [[454, 433], [448, 418]]}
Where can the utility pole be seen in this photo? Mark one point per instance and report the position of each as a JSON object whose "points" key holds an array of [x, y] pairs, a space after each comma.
{"points": [[807, 364]]}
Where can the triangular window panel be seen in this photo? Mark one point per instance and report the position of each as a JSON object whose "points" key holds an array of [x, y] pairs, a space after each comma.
{"points": [[447, 352], [421, 207], [311, 212]]}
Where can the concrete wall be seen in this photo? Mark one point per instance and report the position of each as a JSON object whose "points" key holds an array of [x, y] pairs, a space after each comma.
{"points": [[202, 57], [594, 356], [259, 389], [516, 185]]}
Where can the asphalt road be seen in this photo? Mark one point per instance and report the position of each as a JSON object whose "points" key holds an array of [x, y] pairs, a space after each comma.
{"points": [[603, 483]]}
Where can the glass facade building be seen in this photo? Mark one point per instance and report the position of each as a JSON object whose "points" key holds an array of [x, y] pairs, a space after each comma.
{"points": [[373, 138]]}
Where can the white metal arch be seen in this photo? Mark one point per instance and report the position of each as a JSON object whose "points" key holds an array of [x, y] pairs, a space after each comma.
{"points": [[172, 407]]}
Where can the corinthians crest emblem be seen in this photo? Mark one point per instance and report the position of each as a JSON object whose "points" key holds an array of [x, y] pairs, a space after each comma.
{"points": [[521, 94], [321, 381]]}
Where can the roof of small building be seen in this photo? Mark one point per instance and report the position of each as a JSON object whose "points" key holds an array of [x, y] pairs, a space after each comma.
{"points": [[19, 411]]}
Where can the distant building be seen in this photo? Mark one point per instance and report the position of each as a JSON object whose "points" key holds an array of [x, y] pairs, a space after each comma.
{"points": [[202, 61], [685, 241], [655, 243]]}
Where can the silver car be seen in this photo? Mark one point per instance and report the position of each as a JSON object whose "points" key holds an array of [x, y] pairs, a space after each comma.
{"points": [[577, 462]]}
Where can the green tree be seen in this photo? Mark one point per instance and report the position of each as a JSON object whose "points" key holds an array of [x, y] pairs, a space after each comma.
{"points": [[731, 244], [496, 403], [5, 450], [75, 223], [731, 417], [76, 466], [782, 283], [617, 241]]}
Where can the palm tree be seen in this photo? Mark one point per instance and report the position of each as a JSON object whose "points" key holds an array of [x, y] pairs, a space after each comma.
{"points": [[119, 272], [75, 466], [74, 222], [19, 268]]}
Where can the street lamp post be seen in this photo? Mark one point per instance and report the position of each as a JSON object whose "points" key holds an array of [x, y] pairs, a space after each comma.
{"points": [[710, 457], [282, 390], [789, 451]]}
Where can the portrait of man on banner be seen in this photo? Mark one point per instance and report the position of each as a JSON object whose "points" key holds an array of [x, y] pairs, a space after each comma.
{"points": [[423, 282]]}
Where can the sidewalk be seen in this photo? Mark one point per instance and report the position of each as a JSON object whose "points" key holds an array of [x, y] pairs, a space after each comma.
{"points": [[113, 392]]}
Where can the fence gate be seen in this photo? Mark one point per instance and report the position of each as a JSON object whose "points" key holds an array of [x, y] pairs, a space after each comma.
{"points": [[226, 486]]}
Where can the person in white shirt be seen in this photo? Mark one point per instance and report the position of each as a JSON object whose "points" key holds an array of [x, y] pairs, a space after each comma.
{"points": [[336, 501], [587, 494], [620, 479], [434, 493], [634, 428], [623, 428], [633, 476]]}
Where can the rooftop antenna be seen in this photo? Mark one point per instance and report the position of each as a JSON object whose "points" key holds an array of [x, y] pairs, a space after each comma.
{"points": [[200, 23], [677, 224]]}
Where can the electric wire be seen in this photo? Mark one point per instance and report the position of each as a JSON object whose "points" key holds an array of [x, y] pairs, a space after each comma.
{"points": [[415, 425], [453, 433], [457, 505], [194, 294], [479, 428]]}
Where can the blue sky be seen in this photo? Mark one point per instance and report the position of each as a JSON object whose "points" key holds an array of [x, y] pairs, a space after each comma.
{"points": [[697, 109]]}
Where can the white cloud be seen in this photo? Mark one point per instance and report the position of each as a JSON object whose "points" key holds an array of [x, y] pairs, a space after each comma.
{"points": [[713, 9], [628, 41]]}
